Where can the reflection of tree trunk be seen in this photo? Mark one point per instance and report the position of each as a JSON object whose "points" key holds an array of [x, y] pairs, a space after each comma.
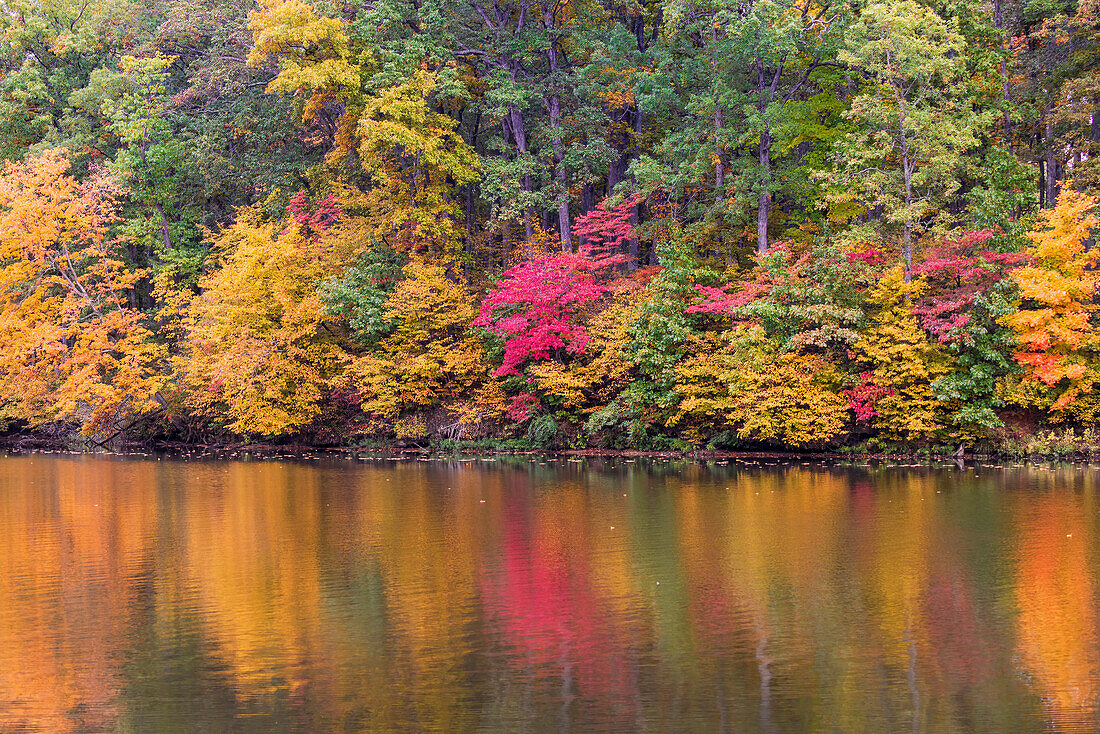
{"points": [[914, 692], [763, 664], [566, 682]]}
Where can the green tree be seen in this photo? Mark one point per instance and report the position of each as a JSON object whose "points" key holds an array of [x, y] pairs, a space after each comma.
{"points": [[913, 117]]}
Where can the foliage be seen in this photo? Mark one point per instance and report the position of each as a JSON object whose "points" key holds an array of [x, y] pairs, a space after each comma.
{"points": [[895, 357], [1053, 324], [745, 382], [807, 303], [259, 355], [360, 293], [663, 330], [536, 307], [913, 119], [432, 357], [417, 160], [623, 197], [967, 292], [74, 349]]}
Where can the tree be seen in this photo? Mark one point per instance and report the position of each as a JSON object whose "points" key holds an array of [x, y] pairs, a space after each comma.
{"points": [[313, 53], [259, 357], [811, 303], [151, 159], [900, 364], [432, 358], [73, 348], [743, 382], [417, 161], [913, 119], [536, 307], [966, 293], [664, 329], [1053, 325]]}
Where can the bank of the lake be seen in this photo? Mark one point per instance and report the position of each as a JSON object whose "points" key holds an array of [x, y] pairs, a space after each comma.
{"points": [[1060, 445]]}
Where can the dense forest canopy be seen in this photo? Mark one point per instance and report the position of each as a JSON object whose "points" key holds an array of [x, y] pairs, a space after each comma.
{"points": [[647, 223]]}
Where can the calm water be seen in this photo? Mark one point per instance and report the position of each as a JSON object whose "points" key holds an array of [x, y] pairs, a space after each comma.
{"points": [[139, 595]]}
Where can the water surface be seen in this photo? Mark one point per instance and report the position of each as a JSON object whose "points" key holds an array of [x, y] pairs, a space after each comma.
{"points": [[146, 595]]}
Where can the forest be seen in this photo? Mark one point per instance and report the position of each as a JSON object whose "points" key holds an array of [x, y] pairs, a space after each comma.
{"points": [[647, 224]]}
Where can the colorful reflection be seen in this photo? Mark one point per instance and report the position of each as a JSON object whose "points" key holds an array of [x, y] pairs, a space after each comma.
{"points": [[169, 595]]}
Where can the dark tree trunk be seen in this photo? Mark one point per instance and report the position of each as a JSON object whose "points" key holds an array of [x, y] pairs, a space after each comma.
{"points": [[1052, 167]]}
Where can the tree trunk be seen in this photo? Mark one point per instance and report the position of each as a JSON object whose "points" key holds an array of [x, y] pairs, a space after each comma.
{"points": [[157, 206], [763, 205], [998, 20], [632, 254], [1042, 184], [907, 237], [559, 169], [719, 151], [1051, 160], [519, 135]]}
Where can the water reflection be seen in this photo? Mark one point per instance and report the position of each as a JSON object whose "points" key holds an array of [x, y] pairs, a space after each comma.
{"points": [[144, 595]]}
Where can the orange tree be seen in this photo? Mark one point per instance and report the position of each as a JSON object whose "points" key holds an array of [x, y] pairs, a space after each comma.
{"points": [[72, 348], [1052, 324]]}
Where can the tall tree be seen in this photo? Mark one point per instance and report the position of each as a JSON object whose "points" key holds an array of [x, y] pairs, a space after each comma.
{"points": [[913, 119]]}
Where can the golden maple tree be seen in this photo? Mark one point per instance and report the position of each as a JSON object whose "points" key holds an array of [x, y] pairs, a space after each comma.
{"points": [[72, 347]]}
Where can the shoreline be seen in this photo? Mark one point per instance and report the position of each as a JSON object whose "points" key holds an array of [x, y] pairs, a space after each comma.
{"points": [[74, 443]]}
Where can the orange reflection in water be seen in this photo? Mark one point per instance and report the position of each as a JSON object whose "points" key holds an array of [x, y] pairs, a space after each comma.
{"points": [[1057, 613], [74, 544]]}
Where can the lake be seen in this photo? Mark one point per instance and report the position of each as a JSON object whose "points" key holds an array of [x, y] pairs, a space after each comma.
{"points": [[172, 595]]}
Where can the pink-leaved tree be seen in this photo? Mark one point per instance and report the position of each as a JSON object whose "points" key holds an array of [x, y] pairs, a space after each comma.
{"points": [[538, 307]]}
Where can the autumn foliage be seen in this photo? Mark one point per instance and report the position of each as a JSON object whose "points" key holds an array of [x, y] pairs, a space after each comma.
{"points": [[305, 324], [73, 347], [562, 224], [1054, 324]]}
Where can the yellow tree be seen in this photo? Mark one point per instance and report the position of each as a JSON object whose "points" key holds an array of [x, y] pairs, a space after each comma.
{"points": [[72, 348], [413, 155], [432, 359], [312, 52], [900, 365], [740, 381], [416, 159], [258, 358], [1056, 291]]}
